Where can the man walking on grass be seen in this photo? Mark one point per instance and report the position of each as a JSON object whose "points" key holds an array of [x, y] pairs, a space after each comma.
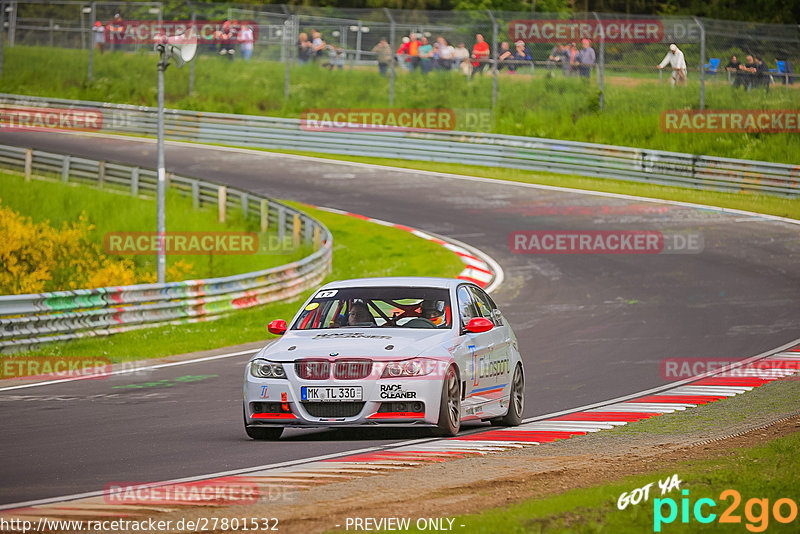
{"points": [[675, 58]]}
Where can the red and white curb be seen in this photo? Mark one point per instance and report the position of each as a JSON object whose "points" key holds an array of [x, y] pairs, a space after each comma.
{"points": [[285, 480], [479, 267]]}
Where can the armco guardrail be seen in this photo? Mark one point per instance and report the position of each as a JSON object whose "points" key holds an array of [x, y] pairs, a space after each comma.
{"points": [[568, 157], [29, 320]]}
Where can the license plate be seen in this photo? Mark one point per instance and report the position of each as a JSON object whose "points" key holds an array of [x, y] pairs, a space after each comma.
{"points": [[333, 393]]}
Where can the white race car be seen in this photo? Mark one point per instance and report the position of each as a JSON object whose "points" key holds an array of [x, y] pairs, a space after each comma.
{"points": [[387, 351]]}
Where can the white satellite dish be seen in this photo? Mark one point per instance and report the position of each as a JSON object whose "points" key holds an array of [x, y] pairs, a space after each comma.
{"points": [[180, 48]]}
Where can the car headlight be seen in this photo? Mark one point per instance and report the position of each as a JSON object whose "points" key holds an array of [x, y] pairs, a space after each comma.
{"points": [[405, 368], [265, 369]]}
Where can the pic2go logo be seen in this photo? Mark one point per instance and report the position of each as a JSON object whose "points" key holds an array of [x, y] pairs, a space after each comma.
{"points": [[756, 511]]}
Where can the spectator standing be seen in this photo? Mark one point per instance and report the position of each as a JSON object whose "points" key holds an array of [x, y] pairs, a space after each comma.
{"points": [[521, 53], [763, 77], [402, 53], [733, 70], [748, 72], [317, 45], [480, 54], [586, 59], [506, 59], [383, 52], [556, 56], [461, 59], [425, 52], [246, 41], [413, 52], [303, 49], [99, 36], [676, 60], [570, 65], [446, 52], [117, 31]]}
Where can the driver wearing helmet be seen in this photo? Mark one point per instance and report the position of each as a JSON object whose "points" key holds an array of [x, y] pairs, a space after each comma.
{"points": [[433, 310]]}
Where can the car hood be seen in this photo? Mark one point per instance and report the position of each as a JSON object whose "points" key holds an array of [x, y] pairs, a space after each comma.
{"points": [[367, 343]]}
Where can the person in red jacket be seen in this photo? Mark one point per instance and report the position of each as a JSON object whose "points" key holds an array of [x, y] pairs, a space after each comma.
{"points": [[480, 54]]}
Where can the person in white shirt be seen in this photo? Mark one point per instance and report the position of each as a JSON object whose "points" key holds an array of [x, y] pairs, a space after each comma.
{"points": [[246, 41], [675, 58]]}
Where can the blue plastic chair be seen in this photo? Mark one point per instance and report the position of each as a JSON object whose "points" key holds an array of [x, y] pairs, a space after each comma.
{"points": [[712, 65]]}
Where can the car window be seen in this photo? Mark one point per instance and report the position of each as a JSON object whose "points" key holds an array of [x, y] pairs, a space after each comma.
{"points": [[483, 304], [466, 305], [389, 307]]}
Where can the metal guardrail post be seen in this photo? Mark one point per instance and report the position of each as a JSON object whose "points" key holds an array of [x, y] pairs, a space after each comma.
{"points": [[281, 224], [244, 199], [296, 230], [28, 164], [222, 199], [264, 215], [101, 174], [65, 169], [702, 64], [135, 182]]}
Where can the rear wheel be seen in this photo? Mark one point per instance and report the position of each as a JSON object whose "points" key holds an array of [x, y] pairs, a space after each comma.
{"points": [[263, 433], [516, 403], [450, 407]]}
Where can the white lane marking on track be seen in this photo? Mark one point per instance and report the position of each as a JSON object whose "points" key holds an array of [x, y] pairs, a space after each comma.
{"points": [[131, 370]]}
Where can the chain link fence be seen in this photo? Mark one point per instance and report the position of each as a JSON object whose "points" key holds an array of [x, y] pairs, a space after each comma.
{"points": [[581, 61]]}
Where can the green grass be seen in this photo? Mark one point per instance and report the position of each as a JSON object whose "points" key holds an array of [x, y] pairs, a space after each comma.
{"points": [[112, 212], [767, 204], [562, 108], [769, 471], [360, 249], [595, 509]]}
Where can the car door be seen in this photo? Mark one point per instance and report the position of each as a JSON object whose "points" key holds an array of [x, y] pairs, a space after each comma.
{"points": [[476, 349], [493, 370]]}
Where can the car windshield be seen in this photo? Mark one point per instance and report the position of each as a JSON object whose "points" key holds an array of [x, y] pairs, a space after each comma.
{"points": [[374, 307]]}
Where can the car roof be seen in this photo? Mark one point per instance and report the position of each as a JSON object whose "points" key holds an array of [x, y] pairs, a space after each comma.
{"points": [[396, 281]]}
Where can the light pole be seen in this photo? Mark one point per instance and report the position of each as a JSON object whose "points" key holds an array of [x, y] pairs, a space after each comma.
{"points": [[180, 48]]}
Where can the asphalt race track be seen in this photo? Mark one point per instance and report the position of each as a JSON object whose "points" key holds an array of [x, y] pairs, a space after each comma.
{"points": [[591, 327]]}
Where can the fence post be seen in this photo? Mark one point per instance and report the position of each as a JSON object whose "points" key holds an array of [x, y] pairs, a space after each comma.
{"points": [[316, 237], [101, 173], [91, 44], [2, 35], [191, 63], [12, 24], [222, 196], [296, 230], [244, 201], [601, 65], [391, 45], [195, 194], [264, 214], [135, 182], [288, 23], [702, 64], [281, 224], [495, 45], [65, 169], [28, 164]]}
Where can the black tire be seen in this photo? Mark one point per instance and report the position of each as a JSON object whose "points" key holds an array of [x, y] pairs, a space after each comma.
{"points": [[262, 433], [516, 402], [450, 407]]}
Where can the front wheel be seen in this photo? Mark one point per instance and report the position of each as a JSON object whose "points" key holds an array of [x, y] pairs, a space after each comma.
{"points": [[450, 407], [516, 403], [262, 433]]}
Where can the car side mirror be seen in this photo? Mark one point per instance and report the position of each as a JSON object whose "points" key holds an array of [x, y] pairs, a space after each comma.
{"points": [[277, 327], [476, 325]]}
